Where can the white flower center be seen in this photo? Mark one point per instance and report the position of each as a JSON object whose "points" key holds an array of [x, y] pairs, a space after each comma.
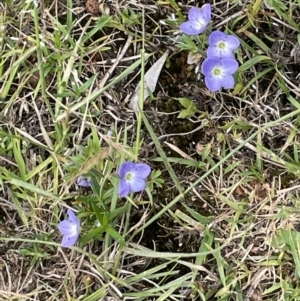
{"points": [[129, 176], [74, 229], [200, 23], [217, 72], [221, 45]]}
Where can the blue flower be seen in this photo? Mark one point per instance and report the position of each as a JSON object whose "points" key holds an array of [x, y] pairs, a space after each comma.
{"points": [[84, 182], [222, 45], [198, 20], [132, 177], [218, 72], [70, 230]]}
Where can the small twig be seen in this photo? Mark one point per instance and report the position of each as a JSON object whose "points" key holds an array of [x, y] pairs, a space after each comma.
{"points": [[177, 134], [115, 64], [125, 59]]}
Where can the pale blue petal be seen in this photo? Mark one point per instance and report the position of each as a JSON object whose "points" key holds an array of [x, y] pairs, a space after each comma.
{"points": [[213, 84], [213, 51], [206, 11], [66, 227], [142, 170], [228, 82], [226, 53], [232, 42], [195, 14], [137, 184], [209, 64], [215, 37], [72, 216], [200, 26], [69, 241], [124, 188], [189, 28], [84, 182], [229, 66], [125, 168]]}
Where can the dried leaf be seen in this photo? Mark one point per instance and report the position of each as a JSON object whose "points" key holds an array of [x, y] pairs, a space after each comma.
{"points": [[193, 58], [151, 77]]}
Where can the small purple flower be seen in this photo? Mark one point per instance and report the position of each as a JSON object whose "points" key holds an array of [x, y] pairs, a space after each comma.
{"points": [[222, 45], [132, 177], [84, 182], [218, 72], [198, 20], [70, 230]]}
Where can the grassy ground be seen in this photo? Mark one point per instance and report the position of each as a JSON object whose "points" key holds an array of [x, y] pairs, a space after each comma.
{"points": [[219, 219]]}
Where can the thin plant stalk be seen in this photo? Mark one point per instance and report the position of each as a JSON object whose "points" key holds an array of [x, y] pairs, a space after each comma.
{"points": [[40, 58]]}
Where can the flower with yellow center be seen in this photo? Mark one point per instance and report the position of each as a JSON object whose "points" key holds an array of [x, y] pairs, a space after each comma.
{"points": [[219, 73], [222, 45]]}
